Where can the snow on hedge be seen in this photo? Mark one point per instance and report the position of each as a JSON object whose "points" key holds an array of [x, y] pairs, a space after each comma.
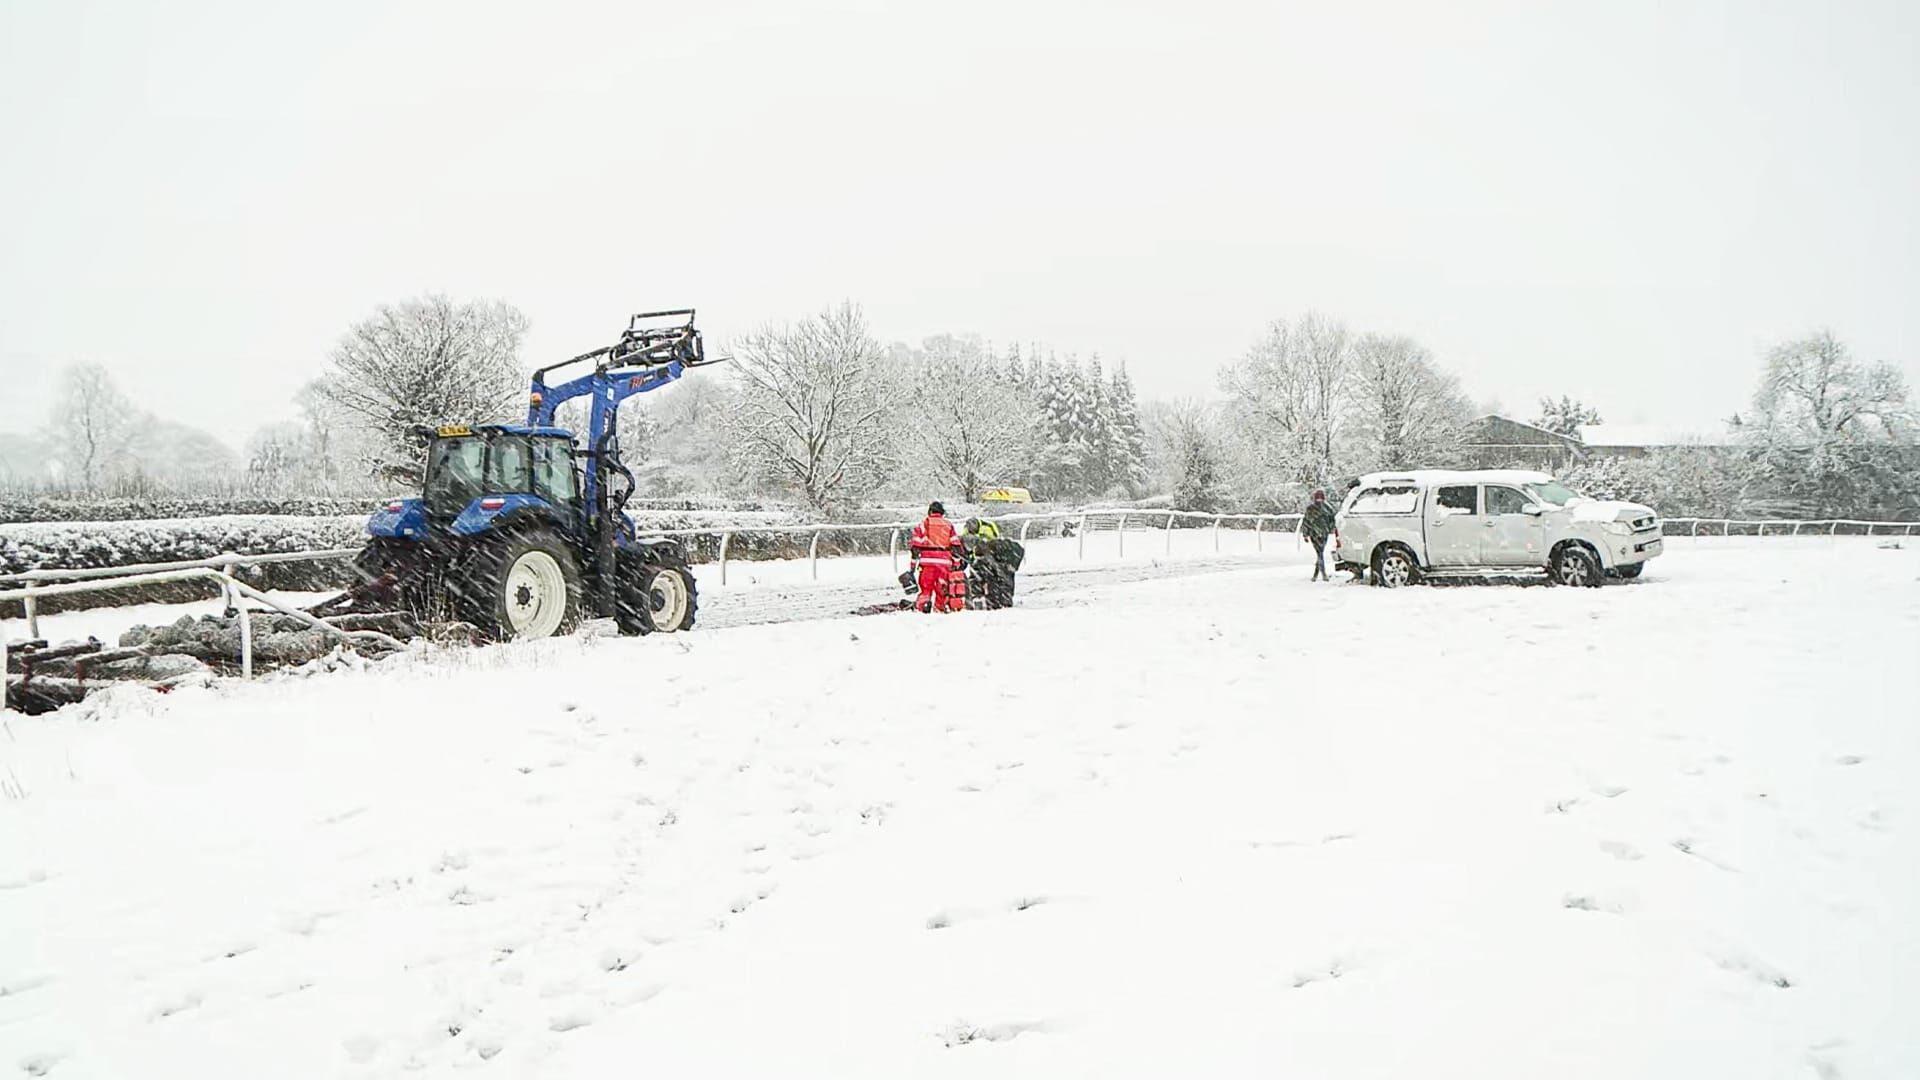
{"points": [[84, 544]]}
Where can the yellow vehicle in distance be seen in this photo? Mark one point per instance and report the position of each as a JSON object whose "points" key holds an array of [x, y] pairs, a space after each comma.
{"points": [[1007, 495]]}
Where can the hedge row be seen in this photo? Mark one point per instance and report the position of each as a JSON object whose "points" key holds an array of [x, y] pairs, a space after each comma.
{"points": [[86, 545], [16, 509]]}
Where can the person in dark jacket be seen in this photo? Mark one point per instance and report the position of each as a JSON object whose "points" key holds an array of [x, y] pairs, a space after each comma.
{"points": [[994, 561], [1316, 524]]}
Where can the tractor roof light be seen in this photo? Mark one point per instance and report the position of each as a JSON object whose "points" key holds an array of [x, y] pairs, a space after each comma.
{"points": [[492, 502]]}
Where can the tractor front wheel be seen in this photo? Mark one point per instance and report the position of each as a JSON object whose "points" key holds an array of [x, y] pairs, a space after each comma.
{"points": [[655, 597], [524, 585]]}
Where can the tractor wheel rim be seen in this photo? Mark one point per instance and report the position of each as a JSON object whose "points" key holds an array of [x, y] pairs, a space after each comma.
{"points": [[1393, 570], [669, 601], [536, 597]]}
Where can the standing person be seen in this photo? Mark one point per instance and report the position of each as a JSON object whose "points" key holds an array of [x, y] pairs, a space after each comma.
{"points": [[1316, 525], [994, 560], [934, 545]]}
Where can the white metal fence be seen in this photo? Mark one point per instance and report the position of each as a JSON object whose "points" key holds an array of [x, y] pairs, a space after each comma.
{"points": [[237, 594], [1692, 526]]}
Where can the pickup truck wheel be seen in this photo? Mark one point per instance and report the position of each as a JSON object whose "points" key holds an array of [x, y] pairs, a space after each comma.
{"points": [[1394, 567], [1575, 565]]}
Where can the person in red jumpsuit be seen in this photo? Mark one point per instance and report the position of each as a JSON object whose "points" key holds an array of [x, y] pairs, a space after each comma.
{"points": [[936, 546]]}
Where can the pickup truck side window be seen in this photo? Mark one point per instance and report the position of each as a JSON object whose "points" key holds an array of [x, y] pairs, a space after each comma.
{"points": [[1385, 500], [1504, 500], [1458, 500]]}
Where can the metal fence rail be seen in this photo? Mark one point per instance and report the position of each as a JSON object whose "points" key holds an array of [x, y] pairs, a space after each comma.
{"points": [[1788, 527], [236, 593], [32, 587], [1158, 520]]}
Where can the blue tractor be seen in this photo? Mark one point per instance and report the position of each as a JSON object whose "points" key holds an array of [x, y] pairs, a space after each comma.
{"points": [[520, 530]]}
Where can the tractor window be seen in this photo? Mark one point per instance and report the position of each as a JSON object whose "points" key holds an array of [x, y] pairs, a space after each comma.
{"points": [[1457, 500], [509, 464], [553, 471], [453, 474], [1505, 500]]}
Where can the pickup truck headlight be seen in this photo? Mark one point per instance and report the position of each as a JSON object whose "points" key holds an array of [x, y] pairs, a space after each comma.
{"points": [[1618, 528]]}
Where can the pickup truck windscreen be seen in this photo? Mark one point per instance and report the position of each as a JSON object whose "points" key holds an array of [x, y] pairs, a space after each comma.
{"points": [[1553, 492]]}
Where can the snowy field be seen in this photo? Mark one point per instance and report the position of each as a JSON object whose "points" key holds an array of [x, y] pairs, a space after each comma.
{"points": [[1189, 820]]}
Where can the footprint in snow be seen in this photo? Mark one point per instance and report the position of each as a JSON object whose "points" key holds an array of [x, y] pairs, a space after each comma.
{"points": [[960, 1032], [40, 1064], [1849, 759], [1334, 969], [1753, 968], [174, 1006], [1686, 847], [1622, 851]]}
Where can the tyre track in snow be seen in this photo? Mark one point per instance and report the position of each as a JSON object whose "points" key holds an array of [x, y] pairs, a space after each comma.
{"points": [[1051, 588]]}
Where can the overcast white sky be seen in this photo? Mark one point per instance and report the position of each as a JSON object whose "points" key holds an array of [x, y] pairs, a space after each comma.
{"points": [[1625, 202]]}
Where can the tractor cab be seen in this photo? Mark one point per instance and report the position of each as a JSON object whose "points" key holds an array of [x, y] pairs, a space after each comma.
{"points": [[476, 475]]}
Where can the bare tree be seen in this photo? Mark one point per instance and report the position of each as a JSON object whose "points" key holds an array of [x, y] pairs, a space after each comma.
{"points": [[1405, 412], [1819, 416], [813, 409], [94, 425], [428, 361], [1814, 393], [964, 427], [1286, 400]]}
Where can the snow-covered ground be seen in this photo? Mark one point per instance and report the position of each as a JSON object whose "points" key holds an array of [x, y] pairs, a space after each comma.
{"points": [[1227, 823]]}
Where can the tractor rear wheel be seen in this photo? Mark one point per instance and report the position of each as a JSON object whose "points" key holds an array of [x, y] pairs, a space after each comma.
{"points": [[523, 585], [655, 597]]}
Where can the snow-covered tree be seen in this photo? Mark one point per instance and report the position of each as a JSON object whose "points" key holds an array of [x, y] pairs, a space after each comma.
{"points": [[1565, 416], [813, 409], [1186, 450], [691, 448], [963, 426], [1286, 400], [428, 361], [94, 425], [1128, 443], [1821, 421], [279, 454], [1064, 465], [1405, 412]]}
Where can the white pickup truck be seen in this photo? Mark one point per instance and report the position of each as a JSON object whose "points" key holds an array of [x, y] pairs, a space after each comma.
{"points": [[1401, 526]]}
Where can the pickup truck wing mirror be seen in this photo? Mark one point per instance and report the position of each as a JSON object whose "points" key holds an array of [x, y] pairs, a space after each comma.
{"points": [[1533, 509]]}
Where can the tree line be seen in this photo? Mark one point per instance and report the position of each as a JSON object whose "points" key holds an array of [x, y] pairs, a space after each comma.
{"points": [[819, 411]]}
